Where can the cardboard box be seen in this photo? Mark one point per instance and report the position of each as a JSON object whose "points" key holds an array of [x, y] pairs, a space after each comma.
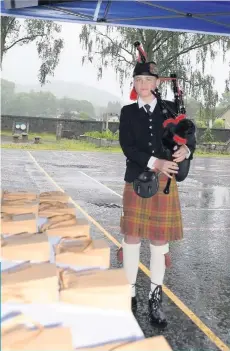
{"points": [[19, 207], [26, 247], [31, 283], [15, 224], [54, 196], [54, 208], [83, 253], [17, 337], [66, 226], [22, 195], [156, 343], [104, 289]]}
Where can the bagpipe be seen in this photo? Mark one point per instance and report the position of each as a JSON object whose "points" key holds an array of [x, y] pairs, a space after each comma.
{"points": [[178, 130]]}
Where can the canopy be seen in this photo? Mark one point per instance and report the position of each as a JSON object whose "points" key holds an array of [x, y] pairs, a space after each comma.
{"points": [[210, 17]]}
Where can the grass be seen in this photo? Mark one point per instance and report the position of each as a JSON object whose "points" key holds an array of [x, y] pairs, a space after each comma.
{"points": [[73, 145], [63, 145], [49, 143]]}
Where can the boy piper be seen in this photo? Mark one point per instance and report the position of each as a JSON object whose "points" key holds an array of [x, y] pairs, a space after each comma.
{"points": [[157, 218]]}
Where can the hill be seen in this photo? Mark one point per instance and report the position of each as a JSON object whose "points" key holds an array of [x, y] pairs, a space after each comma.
{"points": [[72, 90]]}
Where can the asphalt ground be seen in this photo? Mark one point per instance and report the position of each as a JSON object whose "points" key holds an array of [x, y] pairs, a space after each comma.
{"points": [[197, 287]]}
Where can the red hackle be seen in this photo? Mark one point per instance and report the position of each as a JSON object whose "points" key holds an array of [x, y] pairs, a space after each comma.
{"points": [[143, 53], [133, 95]]}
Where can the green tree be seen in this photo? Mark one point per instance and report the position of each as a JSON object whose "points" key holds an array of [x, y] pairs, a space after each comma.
{"points": [[32, 104], [7, 95], [22, 105], [44, 33], [113, 107], [44, 104], [114, 47], [192, 107], [200, 124], [225, 99], [207, 137], [87, 107], [218, 124], [67, 105], [84, 116]]}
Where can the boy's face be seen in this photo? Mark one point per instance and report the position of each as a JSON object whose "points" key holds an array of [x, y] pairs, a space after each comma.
{"points": [[144, 84]]}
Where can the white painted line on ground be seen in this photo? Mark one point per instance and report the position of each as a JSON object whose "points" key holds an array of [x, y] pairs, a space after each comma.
{"points": [[183, 208], [114, 192]]}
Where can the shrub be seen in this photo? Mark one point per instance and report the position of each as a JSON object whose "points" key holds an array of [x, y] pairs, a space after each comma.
{"points": [[200, 124], [207, 137], [218, 124], [104, 135]]}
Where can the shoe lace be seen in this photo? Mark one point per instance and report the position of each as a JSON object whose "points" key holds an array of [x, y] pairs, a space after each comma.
{"points": [[156, 297]]}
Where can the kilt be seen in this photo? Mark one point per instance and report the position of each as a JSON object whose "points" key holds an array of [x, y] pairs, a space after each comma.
{"points": [[155, 218]]}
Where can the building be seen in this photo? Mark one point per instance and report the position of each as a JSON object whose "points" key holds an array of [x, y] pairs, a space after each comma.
{"points": [[109, 117], [225, 115]]}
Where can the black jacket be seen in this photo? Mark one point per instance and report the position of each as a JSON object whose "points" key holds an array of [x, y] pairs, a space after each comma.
{"points": [[140, 138]]}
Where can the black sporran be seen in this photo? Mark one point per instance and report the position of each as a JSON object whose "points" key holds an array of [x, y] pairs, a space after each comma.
{"points": [[147, 184]]}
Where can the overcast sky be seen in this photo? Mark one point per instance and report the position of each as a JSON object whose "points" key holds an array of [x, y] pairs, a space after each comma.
{"points": [[21, 65]]}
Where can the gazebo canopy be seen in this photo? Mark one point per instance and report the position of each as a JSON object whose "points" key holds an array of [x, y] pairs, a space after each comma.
{"points": [[210, 17]]}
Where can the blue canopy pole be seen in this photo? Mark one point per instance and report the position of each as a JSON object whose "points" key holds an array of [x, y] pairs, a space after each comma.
{"points": [[97, 10]]}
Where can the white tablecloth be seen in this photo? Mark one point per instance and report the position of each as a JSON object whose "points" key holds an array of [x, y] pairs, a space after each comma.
{"points": [[89, 327]]}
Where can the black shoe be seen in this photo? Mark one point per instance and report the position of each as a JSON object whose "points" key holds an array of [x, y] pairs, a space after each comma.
{"points": [[156, 313], [134, 303]]}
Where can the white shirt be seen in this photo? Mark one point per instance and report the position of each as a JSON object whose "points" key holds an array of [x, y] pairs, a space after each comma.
{"points": [[152, 105]]}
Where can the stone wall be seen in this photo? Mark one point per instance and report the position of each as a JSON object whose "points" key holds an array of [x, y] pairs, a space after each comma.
{"points": [[77, 127], [221, 135], [48, 125]]}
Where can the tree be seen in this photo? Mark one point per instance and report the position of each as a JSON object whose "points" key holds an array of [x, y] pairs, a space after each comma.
{"points": [[200, 124], [225, 99], [171, 50], [67, 105], [113, 107], [207, 137], [218, 124], [40, 104], [192, 107], [87, 107], [43, 33], [7, 95]]}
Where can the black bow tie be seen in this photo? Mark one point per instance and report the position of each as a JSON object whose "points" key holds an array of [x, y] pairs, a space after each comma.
{"points": [[148, 109]]}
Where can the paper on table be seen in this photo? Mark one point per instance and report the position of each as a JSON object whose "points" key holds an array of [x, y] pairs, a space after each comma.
{"points": [[16, 335], [89, 326]]}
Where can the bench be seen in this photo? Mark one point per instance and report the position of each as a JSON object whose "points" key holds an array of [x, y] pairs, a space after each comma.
{"points": [[16, 138], [24, 137], [37, 140]]}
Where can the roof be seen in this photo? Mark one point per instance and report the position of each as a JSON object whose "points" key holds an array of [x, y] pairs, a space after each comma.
{"points": [[210, 17], [224, 111]]}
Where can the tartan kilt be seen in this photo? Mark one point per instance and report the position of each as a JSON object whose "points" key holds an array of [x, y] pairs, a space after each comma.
{"points": [[155, 218]]}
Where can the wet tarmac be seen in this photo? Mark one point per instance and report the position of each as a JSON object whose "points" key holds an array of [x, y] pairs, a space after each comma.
{"points": [[200, 275]]}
